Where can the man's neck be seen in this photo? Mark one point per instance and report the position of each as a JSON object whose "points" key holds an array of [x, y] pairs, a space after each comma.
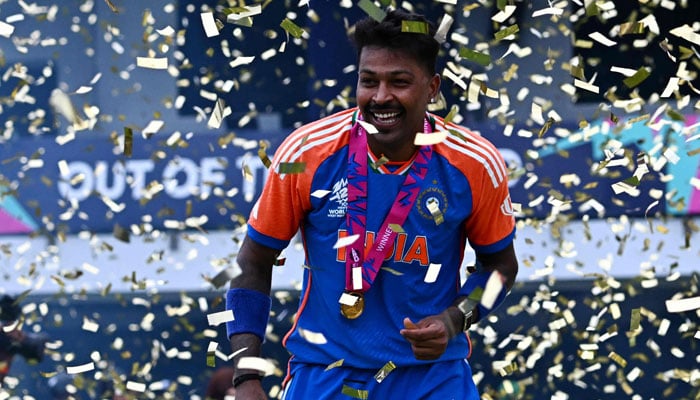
{"points": [[393, 152]]}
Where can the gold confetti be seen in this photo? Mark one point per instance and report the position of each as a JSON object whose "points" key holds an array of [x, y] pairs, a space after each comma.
{"points": [[291, 168], [112, 6], [636, 79], [128, 141], [372, 10], [262, 153], [355, 393], [414, 27], [384, 371], [619, 360], [292, 28], [121, 233], [506, 32], [478, 57], [335, 364]]}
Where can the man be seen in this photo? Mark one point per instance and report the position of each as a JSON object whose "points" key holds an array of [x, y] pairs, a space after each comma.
{"points": [[384, 222]]}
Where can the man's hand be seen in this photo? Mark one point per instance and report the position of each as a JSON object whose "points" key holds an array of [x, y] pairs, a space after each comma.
{"points": [[428, 337]]}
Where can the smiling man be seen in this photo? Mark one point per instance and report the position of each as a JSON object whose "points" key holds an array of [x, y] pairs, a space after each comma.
{"points": [[385, 223]]}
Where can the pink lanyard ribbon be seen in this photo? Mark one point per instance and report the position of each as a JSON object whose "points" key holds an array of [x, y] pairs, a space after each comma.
{"points": [[356, 216]]}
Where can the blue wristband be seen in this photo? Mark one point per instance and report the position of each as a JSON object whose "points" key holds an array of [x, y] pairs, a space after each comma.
{"points": [[251, 310], [477, 280]]}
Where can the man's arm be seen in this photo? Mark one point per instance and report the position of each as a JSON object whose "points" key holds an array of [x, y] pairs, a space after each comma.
{"points": [[505, 262], [255, 261]]}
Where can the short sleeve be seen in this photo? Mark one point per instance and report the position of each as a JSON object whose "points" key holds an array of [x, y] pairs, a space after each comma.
{"points": [[491, 225]]}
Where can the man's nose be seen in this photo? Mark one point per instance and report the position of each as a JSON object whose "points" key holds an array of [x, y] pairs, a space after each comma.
{"points": [[383, 94]]}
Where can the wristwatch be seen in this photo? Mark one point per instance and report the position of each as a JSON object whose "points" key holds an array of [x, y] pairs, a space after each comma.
{"points": [[466, 307]]}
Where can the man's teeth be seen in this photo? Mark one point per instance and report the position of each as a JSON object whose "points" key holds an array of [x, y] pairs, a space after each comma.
{"points": [[386, 115]]}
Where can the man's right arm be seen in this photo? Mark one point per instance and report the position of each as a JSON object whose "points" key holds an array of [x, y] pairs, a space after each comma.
{"points": [[255, 261]]}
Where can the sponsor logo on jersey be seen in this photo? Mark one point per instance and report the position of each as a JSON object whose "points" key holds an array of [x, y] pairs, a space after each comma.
{"points": [[507, 207], [339, 199]]}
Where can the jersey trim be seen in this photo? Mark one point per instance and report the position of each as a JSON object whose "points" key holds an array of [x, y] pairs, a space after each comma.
{"points": [[309, 136], [265, 240], [494, 247]]}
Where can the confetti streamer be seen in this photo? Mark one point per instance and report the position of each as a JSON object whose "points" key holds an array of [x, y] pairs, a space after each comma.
{"points": [[414, 27], [683, 305], [211, 353], [492, 289], [506, 32], [445, 24], [291, 168], [256, 363], [112, 6], [312, 337], [371, 129], [152, 62], [217, 115], [335, 364], [128, 141], [209, 24], [219, 318], [429, 139], [504, 14], [345, 241], [320, 193], [372, 10], [355, 393], [636, 79], [482, 59], [6, 29], [435, 212], [348, 299], [136, 386], [384, 372], [291, 28], [79, 369], [432, 273]]}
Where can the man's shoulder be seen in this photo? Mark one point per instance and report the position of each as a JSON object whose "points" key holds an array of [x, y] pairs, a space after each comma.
{"points": [[459, 133], [340, 120], [317, 139], [470, 152]]}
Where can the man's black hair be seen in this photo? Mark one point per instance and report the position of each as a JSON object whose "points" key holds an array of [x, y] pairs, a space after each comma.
{"points": [[422, 47], [9, 309]]}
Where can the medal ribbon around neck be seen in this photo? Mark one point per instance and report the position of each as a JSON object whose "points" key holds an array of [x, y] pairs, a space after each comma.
{"points": [[357, 210]]}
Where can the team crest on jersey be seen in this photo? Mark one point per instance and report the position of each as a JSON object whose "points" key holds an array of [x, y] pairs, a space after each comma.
{"points": [[338, 199], [431, 202]]}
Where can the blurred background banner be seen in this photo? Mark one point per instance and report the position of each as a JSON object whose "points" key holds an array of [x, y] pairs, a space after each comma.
{"points": [[199, 185]]}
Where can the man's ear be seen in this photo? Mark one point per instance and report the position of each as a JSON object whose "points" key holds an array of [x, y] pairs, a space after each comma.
{"points": [[434, 86]]}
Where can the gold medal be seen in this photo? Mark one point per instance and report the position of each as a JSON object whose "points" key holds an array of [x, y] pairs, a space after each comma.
{"points": [[355, 310]]}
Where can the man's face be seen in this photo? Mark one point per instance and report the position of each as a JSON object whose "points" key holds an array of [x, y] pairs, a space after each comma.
{"points": [[393, 91]]}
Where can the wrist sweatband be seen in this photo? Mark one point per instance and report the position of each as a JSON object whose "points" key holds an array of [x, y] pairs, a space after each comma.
{"points": [[245, 377], [474, 288], [251, 310]]}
